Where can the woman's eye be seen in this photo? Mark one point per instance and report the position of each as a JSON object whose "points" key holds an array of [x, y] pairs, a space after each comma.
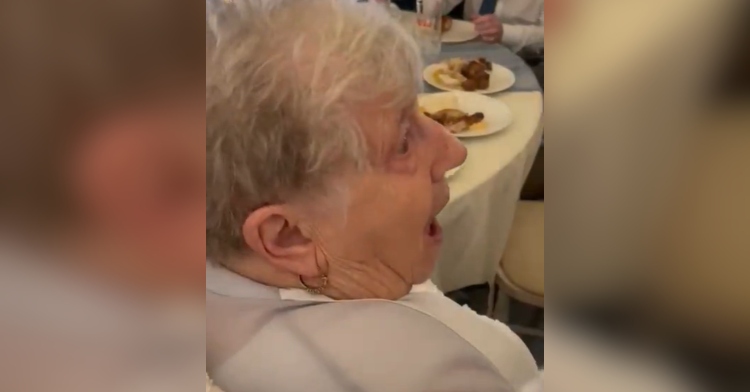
{"points": [[404, 144]]}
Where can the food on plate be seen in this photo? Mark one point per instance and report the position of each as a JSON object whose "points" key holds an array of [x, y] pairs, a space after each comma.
{"points": [[468, 75], [447, 23], [444, 109], [456, 121]]}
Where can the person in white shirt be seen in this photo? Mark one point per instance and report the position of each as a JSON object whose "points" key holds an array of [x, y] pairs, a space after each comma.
{"points": [[517, 24]]}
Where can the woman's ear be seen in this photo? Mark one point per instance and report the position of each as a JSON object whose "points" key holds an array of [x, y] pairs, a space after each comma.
{"points": [[274, 233]]}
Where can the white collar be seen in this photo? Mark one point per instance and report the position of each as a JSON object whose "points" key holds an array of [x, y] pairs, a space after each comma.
{"points": [[302, 295], [224, 282], [221, 281]]}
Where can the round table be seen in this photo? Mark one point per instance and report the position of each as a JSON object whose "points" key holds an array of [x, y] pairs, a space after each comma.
{"points": [[485, 191]]}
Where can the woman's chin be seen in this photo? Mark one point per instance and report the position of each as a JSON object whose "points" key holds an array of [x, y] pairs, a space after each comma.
{"points": [[423, 272]]}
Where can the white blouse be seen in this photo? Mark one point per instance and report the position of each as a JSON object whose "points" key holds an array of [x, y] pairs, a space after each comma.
{"points": [[422, 342]]}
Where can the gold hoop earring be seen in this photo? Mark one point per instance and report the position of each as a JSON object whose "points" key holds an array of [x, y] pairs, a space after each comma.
{"points": [[315, 290]]}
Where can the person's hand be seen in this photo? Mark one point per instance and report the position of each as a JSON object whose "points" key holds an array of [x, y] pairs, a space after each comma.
{"points": [[488, 27]]}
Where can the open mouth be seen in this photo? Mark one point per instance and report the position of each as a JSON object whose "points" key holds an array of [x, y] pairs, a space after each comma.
{"points": [[434, 231]]}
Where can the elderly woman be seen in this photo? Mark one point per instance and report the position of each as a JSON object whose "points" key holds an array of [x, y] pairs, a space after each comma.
{"points": [[324, 186]]}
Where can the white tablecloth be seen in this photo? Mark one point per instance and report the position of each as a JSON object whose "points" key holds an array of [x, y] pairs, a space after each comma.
{"points": [[484, 193]]}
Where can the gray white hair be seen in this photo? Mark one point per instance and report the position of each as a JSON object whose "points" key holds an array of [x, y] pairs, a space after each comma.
{"points": [[282, 77]]}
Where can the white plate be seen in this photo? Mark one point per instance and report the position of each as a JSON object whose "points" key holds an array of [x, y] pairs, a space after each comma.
{"points": [[461, 31], [497, 115], [450, 173], [501, 79]]}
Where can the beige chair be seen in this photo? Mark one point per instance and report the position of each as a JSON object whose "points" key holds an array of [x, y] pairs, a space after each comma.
{"points": [[520, 275]]}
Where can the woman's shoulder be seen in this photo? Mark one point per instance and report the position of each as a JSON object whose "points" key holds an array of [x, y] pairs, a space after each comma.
{"points": [[360, 317], [373, 345], [335, 320]]}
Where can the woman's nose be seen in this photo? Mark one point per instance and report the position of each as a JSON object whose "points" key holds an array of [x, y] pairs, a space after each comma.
{"points": [[450, 152], [455, 152]]}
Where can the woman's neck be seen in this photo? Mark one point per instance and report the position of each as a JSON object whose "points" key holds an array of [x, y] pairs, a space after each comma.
{"points": [[257, 270]]}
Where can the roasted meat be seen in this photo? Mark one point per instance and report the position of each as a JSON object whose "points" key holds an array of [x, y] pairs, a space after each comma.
{"points": [[477, 74], [455, 120], [486, 63], [473, 69], [469, 75]]}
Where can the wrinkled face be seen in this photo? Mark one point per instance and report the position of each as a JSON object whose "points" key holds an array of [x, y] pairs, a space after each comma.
{"points": [[138, 180], [390, 231]]}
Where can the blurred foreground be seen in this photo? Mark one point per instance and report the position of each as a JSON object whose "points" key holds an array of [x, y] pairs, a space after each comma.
{"points": [[648, 182], [102, 196]]}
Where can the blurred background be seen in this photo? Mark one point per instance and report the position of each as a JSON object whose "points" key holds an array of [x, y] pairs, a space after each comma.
{"points": [[647, 177]]}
